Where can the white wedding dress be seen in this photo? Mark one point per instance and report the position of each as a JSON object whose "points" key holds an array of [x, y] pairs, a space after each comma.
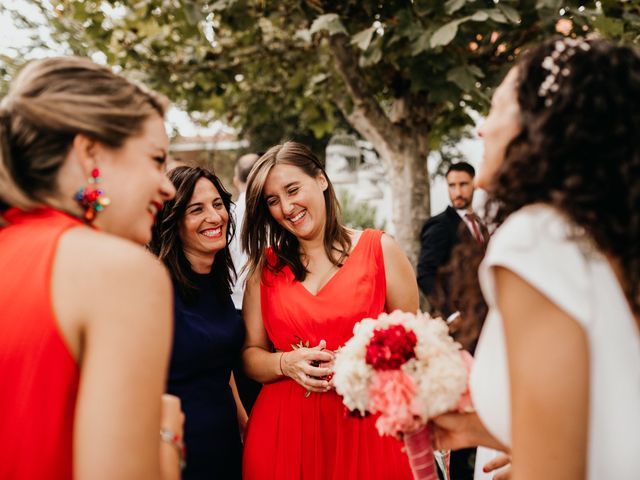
{"points": [[540, 245]]}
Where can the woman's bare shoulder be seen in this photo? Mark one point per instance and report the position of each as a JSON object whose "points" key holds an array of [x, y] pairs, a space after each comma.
{"points": [[83, 248], [97, 268], [104, 286], [389, 245]]}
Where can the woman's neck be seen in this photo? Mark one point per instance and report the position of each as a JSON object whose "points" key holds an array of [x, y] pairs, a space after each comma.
{"points": [[313, 247], [66, 206], [200, 263]]}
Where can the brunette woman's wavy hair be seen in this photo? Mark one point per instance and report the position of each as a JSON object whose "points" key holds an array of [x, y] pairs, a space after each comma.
{"points": [[581, 154], [260, 230], [167, 245], [464, 293]]}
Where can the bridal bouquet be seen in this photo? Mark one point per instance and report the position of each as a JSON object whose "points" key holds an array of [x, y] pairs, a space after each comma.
{"points": [[407, 369]]}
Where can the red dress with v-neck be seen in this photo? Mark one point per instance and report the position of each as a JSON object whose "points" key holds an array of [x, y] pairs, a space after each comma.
{"points": [[291, 436]]}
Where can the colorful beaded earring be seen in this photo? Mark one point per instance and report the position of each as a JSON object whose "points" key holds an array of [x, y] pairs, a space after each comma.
{"points": [[91, 198]]}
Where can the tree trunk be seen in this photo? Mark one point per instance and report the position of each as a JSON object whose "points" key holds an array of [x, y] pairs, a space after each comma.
{"points": [[405, 158], [401, 142], [404, 154], [409, 179]]}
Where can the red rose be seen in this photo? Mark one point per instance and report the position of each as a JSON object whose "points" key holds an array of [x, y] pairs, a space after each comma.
{"points": [[390, 348]]}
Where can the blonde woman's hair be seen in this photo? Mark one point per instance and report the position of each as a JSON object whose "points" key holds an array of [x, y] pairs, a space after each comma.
{"points": [[51, 101]]}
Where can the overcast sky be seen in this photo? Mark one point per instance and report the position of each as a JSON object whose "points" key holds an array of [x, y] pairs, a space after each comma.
{"points": [[12, 37]]}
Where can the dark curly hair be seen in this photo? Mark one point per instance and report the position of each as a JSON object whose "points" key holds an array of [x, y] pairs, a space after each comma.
{"points": [[464, 293], [167, 245], [581, 154]]}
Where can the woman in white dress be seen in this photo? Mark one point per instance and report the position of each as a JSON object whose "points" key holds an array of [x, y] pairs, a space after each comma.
{"points": [[556, 382]]}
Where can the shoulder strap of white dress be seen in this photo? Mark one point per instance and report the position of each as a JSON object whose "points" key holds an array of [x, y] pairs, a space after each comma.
{"points": [[536, 243]]}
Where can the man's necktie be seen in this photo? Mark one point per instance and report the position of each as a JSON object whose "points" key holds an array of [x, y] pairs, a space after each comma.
{"points": [[474, 227]]}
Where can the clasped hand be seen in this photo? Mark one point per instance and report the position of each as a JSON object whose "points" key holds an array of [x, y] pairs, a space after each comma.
{"points": [[452, 431], [311, 367]]}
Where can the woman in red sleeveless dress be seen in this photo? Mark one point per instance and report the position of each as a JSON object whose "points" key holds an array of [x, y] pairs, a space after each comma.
{"points": [[81, 375], [304, 295]]}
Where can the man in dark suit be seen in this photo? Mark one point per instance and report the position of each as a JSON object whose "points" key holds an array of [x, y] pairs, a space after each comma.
{"points": [[439, 273], [441, 233]]}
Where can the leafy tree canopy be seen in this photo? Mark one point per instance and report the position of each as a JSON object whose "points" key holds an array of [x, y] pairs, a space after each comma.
{"points": [[405, 74], [268, 68]]}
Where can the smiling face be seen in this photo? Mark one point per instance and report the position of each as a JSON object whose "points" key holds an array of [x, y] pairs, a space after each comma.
{"points": [[499, 129], [203, 229], [296, 200], [134, 180]]}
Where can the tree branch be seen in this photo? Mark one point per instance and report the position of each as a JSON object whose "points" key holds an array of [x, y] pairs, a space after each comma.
{"points": [[367, 114]]}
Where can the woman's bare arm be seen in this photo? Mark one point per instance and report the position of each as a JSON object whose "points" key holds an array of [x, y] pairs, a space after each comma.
{"points": [[241, 412], [114, 305], [548, 359], [402, 290]]}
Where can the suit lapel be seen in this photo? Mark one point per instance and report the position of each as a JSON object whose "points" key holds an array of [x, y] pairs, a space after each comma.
{"points": [[462, 230]]}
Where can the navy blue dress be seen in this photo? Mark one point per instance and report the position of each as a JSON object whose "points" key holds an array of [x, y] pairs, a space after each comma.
{"points": [[207, 339]]}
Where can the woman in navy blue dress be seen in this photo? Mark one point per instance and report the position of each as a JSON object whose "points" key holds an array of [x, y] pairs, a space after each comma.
{"points": [[191, 237]]}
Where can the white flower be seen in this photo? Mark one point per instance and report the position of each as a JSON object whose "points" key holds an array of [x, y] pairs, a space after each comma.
{"points": [[562, 52], [548, 63], [437, 369], [351, 380]]}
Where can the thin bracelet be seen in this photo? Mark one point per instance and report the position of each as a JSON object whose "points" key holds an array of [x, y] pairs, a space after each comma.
{"points": [[281, 370], [175, 440]]}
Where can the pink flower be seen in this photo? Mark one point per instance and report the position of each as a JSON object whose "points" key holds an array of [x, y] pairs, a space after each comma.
{"points": [[391, 393]]}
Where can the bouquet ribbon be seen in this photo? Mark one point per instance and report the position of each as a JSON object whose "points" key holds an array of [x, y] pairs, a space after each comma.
{"points": [[420, 453]]}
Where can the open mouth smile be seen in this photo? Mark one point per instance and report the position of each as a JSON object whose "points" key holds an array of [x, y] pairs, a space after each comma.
{"points": [[212, 232], [298, 217]]}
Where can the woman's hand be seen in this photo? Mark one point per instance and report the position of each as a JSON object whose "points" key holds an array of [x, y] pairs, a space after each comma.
{"points": [[501, 462], [453, 431], [243, 418], [241, 412], [172, 417], [171, 453], [306, 366]]}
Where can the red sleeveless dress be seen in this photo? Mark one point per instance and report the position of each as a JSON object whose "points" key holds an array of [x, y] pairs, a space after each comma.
{"points": [[38, 375], [290, 436]]}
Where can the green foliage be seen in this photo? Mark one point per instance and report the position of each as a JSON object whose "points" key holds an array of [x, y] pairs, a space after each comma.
{"points": [[358, 215], [448, 153], [268, 69]]}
